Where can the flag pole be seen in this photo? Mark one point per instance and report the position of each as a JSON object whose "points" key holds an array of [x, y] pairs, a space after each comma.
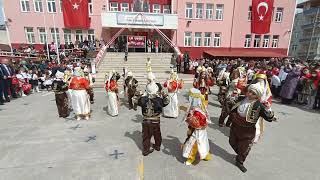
{"points": [[7, 30], [46, 31], [56, 37]]}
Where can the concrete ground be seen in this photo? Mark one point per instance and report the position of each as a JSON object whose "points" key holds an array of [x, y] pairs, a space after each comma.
{"points": [[36, 145]]}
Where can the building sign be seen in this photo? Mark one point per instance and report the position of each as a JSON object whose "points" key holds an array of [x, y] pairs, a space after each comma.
{"points": [[136, 41], [140, 19]]}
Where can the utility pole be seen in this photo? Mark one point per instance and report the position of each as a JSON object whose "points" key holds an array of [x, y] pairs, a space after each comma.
{"points": [[315, 24]]}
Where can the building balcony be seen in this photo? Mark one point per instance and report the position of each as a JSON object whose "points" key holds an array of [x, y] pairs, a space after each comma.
{"points": [[139, 20], [311, 11], [310, 25], [307, 39]]}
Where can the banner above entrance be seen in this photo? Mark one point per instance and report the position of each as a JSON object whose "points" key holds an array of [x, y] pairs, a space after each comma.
{"points": [[136, 41], [134, 19]]}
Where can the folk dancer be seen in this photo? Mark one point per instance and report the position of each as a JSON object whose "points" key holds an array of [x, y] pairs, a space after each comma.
{"points": [[131, 83], [223, 82], [203, 82], [197, 118], [151, 103], [266, 99], [245, 115], [79, 96], [172, 85], [112, 88], [88, 76], [60, 88]]}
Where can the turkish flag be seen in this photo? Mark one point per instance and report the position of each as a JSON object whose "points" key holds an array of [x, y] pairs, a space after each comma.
{"points": [[76, 14], [261, 16]]}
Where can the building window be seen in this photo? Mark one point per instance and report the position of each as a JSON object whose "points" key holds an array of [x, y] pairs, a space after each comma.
{"points": [[30, 35], [42, 35], [250, 13], [113, 6], [55, 35], [79, 35], [275, 41], [166, 9], [209, 11], [207, 39], [199, 11], [219, 12], [217, 40], [187, 39], [266, 40], [51, 6], [279, 15], [247, 42], [156, 8], [38, 6], [67, 36], [125, 7], [257, 39], [25, 5], [197, 39], [189, 8], [91, 37], [90, 6]]}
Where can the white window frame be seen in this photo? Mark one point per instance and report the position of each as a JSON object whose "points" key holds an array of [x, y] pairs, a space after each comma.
{"points": [[279, 15], [67, 36], [43, 36], [38, 6], [209, 11], [156, 10], [55, 34], [266, 41], [207, 39], [123, 8], [197, 39], [247, 42], [219, 12], [187, 39], [189, 11], [60, 5], [90, 6], [199, 10], [30, 36], [50, 6], [91, 36], [24, 7], [250, 13], [257, 41], [79, 36], [113, 9], [275, 41], [166, 9], [217, 39]]}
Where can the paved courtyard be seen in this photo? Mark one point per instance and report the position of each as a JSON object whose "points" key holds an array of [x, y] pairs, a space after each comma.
{"points": [[36, 145]]}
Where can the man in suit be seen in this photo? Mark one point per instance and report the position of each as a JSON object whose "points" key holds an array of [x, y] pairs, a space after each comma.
{"points": [[1, 86], [8, 72]]}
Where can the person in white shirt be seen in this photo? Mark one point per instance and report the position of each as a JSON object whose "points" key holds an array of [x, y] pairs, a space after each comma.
{"points": [[275, 82]]}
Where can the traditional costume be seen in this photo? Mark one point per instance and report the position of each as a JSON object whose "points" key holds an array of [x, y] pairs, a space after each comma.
{"points": [[203, 83], [79, 96], [60, 88], [172, 85], [112, 89], [245, 115], [88, 76], [152, 103], [197, 118], [223, 82], [131, 85]]}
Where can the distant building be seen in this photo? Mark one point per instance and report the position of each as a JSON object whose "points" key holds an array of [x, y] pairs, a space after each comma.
{"points": [[219, 28], [305, 42]]}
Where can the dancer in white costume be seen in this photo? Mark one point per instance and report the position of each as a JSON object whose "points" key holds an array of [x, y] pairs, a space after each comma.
{"points": [[112, 89], [172, 85]]}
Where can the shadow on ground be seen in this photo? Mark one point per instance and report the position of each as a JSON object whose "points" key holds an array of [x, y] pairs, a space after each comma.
{"points": [[136, 136], [172, 147]]}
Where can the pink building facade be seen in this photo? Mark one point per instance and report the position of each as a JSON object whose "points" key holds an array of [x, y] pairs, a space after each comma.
{"points": [[193, 26]]}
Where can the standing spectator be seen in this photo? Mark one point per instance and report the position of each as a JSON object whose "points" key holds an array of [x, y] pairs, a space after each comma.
{"points": [[173, 62], [289, 87], [178, 64], [7, 78], [34, 81], [126, 54], [275, 82], [156, 44], [1, 86], [149, 45], [186, 62]]}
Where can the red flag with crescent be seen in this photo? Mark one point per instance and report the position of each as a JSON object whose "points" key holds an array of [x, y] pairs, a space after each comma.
{"points": [[76, 14], [261, 16]]}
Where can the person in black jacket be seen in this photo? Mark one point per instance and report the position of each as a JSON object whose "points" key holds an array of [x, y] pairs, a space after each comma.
{"points": [[152, 103], [60, 88], [245, 115], [1, 87], [8, 73]]}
